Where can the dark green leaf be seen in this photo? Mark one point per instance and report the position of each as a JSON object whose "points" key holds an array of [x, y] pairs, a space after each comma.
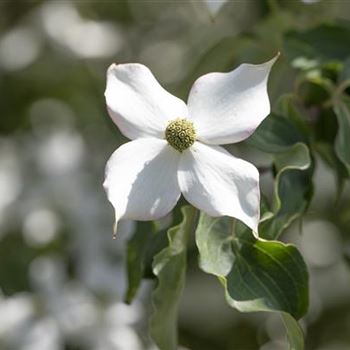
{"points": [[314, 91], [327, 153], [158, 241], [268, 276], [170, 268], [275, 134], [147, 241], [137, 248], [14, 276], [286, 106], [325, 42], [155, 245], [345, 73], [293, 189], [342, 141], [326, 132], [326, 127], [331, 70]]}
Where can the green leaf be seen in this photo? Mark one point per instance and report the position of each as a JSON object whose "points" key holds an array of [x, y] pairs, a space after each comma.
{"points": [[296, 157], [327, 153], [170, 268], [275, 134], [156, 244], [326, 126], [136, 253], [214, 241], [257, 275], [287, 106], [147, 241], [292, 192], [293, 187], [323, 43], [345, 73], [325, 135], [294, 332], [267, 276], [342, 141]]}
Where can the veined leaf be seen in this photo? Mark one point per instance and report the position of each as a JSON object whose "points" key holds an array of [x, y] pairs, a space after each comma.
{"points": [[267, 276], [264, 275], [170, 268]]}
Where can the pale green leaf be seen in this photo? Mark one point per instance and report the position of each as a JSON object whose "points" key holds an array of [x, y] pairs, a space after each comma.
{"points": [[214, 240], [295, 334], [170, 268]]}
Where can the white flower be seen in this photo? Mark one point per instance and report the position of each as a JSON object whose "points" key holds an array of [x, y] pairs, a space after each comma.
{"points": [[174, 147]]}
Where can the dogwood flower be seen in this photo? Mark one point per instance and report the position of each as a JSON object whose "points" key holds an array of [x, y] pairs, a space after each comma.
{"points": [[175, 147]]}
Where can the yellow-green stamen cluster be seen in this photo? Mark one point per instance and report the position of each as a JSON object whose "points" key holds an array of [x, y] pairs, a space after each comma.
{"points": [[180, 134]]}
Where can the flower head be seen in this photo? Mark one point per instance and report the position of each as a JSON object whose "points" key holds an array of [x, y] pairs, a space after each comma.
{"points": [[175, 147], [180, 134]]}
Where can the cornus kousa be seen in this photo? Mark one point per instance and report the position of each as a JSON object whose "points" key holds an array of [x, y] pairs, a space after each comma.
{"points": [[175, 147]]}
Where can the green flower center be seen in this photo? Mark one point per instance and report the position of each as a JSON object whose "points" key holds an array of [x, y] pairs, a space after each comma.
{"points": [[180, 134]]}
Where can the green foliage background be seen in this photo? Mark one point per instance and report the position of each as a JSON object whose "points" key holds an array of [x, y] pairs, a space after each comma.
{"points": [[63, 281]]}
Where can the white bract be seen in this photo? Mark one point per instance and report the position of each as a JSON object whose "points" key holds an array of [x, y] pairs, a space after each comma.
{"points": [[174, 147]]}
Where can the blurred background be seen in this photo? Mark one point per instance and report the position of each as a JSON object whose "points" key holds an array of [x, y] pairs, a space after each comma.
{"points": [[62, 277]]}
